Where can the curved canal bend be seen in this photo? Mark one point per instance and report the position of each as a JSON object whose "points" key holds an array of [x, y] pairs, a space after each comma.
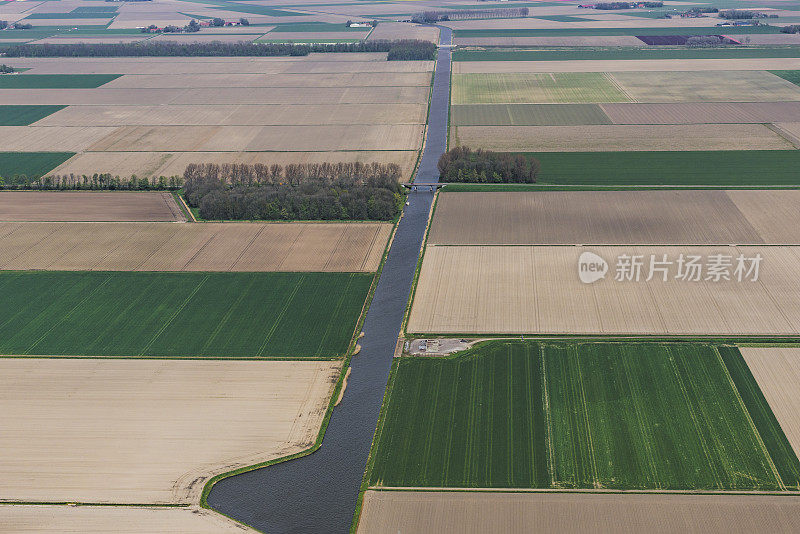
{"points": [[318, 493]]}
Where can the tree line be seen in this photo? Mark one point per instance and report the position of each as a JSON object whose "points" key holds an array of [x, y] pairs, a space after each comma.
{"points": [[740, 14], [794, 28], [324, 191], [97, 181], [213, 49], [462, 164], [411, 49], [428, 17], [626, 5], [5, 69]]}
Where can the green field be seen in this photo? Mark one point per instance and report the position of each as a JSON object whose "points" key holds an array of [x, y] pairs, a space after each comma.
{"points": [[579, 415], [713, 168], [226, 315], [526, 115], [588, 53], [522, 88], [669, 30], [790, 75], [25, 115], [56, 81], [30, 164]]}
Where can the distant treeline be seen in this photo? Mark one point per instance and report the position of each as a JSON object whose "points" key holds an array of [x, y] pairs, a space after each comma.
{"points": [[325, 191], [213, 49], [96, 181], [5, 69], [626, 5], [410, 50], [466, 14], [737, 14], [705, 41], [461, 164], [16, 25], [794, 28]]}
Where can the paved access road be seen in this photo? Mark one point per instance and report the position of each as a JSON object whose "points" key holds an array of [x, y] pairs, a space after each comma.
{"points": [[318, 493]]}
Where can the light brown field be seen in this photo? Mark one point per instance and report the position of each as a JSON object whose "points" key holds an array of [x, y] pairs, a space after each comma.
{"points": [[149, 431], [251, 247], [260, 138], [601, 138], [237, 115], [695, 217], [206, 38], [215, 96], [628, 65], [398, 30], [88, 206], [55, 139], [92, 39], [63, 519], [777, 371], [389, 512], [367, 63], [723, 86], [174, 163], [536, 290], [341, 79], [703, 113]]}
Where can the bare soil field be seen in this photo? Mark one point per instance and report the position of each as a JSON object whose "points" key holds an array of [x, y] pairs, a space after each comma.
{"points": [[368, 62], [93, 40], [602, 138], [388, 512], [695, 217], [398, 30], [533, 88], [88, 206], [627, 65], [725, 86], [55, 139], [700, 113], [536, 290], [206, 38], [589, 40], [174, 163], [237, 115], [321, 37], [216, 96], [250, 247], [341, 79], [74, 429], [777, 371], [64, 519], [259, 138]]}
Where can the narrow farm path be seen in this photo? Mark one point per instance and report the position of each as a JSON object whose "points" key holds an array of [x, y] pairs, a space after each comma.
{"points": [[318, 493]]}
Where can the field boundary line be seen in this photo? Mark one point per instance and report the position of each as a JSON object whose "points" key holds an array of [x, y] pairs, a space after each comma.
{"points": [[616, 83], [750, 421], [791, 139]]}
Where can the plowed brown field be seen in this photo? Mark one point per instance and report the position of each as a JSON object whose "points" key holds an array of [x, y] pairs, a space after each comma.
{"points": [[388, 512], [536, 290], [246, 247], [777, 371], [75, 430], [88, 206], [617, 217]]}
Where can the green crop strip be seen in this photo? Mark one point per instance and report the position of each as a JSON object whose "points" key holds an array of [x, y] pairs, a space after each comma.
{"points": [[192, 315], [624, 416], [747, 168], [30, 164], [596, 54], [672, 30], [25, 115], [56, 81]]}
